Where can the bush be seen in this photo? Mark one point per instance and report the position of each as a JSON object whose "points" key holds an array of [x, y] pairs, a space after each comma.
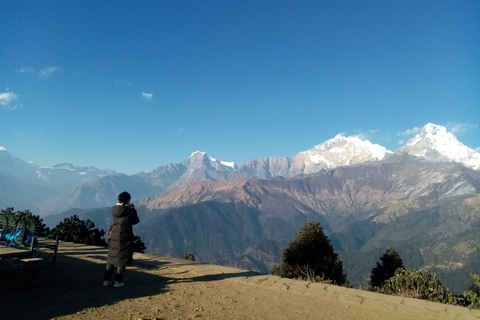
{"points": [[188, 256], [76, 230], [417, 284], [310, 256], [471, 297], [138, 245]]}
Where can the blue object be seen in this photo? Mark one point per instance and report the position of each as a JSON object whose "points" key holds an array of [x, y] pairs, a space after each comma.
{"points": [[28, 241], [13, 237], [3, 234]]}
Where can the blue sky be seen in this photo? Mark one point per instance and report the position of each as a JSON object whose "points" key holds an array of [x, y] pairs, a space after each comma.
{"points": [[134, 85]]}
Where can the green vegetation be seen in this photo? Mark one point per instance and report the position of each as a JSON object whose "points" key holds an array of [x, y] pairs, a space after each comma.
{"points": [[471, 297], [310, 256], [76, 230], [422, 285], [138, 245], [41, 229], [71, 229], [188, 256], [417, 284], [391, 261]]}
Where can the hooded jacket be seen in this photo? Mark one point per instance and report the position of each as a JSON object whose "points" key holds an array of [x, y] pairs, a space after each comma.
{"points": [[120, 250]]}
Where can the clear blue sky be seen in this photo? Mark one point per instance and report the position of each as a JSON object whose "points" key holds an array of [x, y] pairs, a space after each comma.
{"points": [[135, 85]]}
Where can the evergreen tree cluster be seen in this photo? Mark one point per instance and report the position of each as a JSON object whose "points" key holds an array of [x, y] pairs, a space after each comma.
{"points": [[76, 230], [71, 229], [390, 262], [41, 229], [310, 257]]}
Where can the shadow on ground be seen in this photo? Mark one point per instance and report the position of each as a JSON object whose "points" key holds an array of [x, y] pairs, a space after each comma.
{"points": [[76, 284]]}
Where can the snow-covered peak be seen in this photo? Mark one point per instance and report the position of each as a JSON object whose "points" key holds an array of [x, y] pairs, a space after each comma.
{"points": [[197, 154], [434, 129], [355, 145], [339, 151], [197, 157], [61, 166], [4, 154], [228, 164], [435, 143], [201, 158]]}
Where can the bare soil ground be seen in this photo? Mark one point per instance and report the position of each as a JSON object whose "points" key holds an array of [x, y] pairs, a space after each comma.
{"points": [[73, 290]]}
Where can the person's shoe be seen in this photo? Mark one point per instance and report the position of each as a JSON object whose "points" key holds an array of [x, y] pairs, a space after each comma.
{"points": [[106, 283], [119, 284]]}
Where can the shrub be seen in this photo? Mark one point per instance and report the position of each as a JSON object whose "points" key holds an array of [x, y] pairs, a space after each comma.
{"points": [[417, 284], [188, 256], [471, 297], [138, 245], [310, 256], [76, 230]]}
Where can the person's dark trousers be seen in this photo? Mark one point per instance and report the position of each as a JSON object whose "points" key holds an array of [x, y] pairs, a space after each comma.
{"points": [[108, 274], [118, 277]]}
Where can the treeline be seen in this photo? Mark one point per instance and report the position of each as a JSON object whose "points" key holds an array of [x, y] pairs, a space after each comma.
{"points": [[72, 229], [310, 256]]}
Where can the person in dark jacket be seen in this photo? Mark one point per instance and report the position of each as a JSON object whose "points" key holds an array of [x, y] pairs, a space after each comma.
{"points": [[120, 251]]}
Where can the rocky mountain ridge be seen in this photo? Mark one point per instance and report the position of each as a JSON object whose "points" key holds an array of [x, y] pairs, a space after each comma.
{"points": [[54, 193], [24, 185], [363, 208], [428, 210]]}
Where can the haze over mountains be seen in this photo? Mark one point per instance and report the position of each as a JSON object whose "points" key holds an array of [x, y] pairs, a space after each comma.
{"points": [[424, 199], [57, 188]]}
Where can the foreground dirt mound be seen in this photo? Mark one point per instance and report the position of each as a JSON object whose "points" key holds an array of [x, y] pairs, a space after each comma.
{"points": [[167, 288]]}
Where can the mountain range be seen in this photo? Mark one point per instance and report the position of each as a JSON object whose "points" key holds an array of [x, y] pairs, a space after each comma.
{"points": [[363, 208], [58, 188], [423, 199]]}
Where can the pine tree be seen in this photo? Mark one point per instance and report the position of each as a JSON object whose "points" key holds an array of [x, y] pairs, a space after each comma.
{"points": [[390, 261], [310, 256]]}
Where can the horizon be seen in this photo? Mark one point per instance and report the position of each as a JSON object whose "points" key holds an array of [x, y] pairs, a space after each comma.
{"points": [[130, 87], [413, 132]]}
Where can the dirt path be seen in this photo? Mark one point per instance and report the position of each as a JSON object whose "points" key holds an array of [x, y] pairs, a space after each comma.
{"points": [[162, 290]]}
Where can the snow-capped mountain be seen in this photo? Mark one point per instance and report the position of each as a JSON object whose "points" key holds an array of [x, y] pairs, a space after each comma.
{"points": [[88, 187], [198, 166], [202, 159], [11, 166], [103, 191], [337, 152], [435, 143], [68, 175], [401, 200], [24, 185]]}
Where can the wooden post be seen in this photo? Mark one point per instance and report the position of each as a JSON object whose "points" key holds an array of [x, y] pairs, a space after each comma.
{"points": [[55, 251], [31, 243]]}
